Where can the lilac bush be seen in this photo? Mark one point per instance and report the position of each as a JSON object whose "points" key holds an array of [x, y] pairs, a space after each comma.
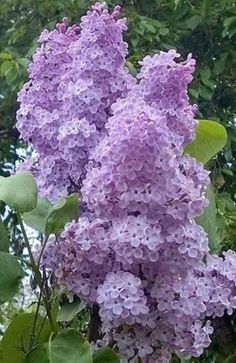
{"points": [[136, 251]]}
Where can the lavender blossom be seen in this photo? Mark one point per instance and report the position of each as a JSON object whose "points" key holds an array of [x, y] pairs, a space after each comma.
{"points": [[136, 250]]}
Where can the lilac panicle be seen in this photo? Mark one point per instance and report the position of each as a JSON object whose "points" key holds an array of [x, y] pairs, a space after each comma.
{"points": [[75, 77], [136, 251]]}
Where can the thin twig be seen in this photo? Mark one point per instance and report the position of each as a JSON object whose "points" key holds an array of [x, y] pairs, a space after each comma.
{"points": [[37, 274], [42, 251], [33, 333], [32, 261]]}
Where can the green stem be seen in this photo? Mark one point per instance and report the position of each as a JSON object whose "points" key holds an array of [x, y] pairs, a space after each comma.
{"points": [[50, 319], [48, 307], [32, 261], [42, 251], [33, 334], [36, 271], [41, 328]]}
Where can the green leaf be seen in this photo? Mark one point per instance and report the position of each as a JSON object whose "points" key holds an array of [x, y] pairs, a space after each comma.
{"points": [[208, 220], [225, 203], [177, 3], [210, 139], [205, 92], [5, 56], [231, 32], [193, 22], [164, 31], [19, 191], [227, 172], [210, 84], [37, 218], [69, 310], [67, 347], [230, 359], [229, 21], [193, 92], [18, 335], [224, 32], [62, 212], [24, 62], [131, 68], [11, 273], [4, 240], [1, 358], [50, 219], [205, 73], [6, 66], [220, 63], [105, 355], [11, 75], [205, 7]]}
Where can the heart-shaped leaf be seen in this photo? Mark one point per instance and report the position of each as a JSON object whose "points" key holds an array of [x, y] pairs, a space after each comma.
{"points": [[210, 138], [62, 212], [19, 191], [67, 347], [208, 220], [105, 355], [69, 310], [50, 218], [37, 218], [11, 274], [18, 335]]}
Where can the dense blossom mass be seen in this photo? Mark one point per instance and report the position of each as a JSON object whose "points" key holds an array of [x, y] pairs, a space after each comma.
{"points": [[76, 75], [136, 251]]}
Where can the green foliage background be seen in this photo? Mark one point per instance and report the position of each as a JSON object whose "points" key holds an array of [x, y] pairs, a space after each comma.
{"points": [[206, 28]]}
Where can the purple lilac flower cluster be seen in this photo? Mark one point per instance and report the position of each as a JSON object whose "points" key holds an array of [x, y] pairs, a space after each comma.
{"points": [[76, 75], [136, 251]]}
